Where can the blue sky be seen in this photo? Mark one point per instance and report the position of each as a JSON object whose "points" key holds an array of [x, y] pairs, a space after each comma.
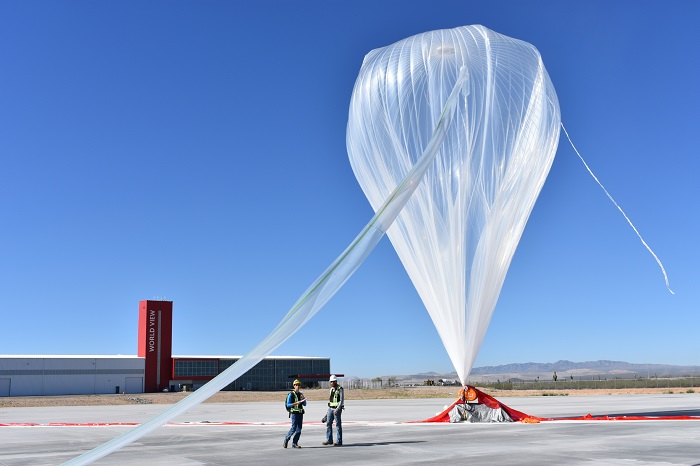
{"points": [[195, 151]]}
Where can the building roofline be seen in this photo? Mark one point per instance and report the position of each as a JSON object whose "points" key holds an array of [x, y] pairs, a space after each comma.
{"points": [[210, 356], [131, 356], [69, 356]]}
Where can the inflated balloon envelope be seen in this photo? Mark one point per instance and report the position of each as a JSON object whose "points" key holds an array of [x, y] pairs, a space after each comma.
{"points": [[454, 132], [457, 234]]}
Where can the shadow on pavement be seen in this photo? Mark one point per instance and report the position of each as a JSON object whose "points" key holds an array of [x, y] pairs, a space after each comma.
{"points": [[367, 444], [683, 412]]}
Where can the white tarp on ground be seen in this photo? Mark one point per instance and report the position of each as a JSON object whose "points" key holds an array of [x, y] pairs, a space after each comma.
{"points": [[477, 412]]}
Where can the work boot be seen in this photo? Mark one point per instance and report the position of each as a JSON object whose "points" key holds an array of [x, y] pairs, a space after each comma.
{"points": [[294, 445], [285, 443], [327, 443], [338, 444]]}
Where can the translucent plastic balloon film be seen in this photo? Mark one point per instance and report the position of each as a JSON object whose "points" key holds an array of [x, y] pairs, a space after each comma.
{"points": [[458, 233], [315, 297]]}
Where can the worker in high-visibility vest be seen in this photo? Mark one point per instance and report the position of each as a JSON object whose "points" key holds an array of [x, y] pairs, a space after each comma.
{"points": [[295, 405], [336, 404]]}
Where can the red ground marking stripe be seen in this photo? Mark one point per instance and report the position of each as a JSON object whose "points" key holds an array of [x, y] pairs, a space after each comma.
{"points": [[131, 424], [589, 417]]}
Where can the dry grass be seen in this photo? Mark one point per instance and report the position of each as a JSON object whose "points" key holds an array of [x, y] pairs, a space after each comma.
{"points": [[312, 395]]}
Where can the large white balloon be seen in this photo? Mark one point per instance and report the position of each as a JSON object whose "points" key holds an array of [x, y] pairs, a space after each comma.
{"points": [[466, 167], [458, 233]]}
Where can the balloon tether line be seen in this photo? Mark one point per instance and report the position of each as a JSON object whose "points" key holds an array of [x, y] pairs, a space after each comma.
{"points": [[658, 261]]}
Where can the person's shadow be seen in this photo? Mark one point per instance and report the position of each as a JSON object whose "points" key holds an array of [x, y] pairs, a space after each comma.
{"points": [[371, 444]]}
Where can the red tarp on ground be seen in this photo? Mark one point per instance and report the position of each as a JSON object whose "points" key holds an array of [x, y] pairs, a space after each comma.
{"points": [[489, 401], [518, 416]]}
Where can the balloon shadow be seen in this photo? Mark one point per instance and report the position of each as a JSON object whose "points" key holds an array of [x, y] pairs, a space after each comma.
{"points": [[651, 414], [679, 412]]}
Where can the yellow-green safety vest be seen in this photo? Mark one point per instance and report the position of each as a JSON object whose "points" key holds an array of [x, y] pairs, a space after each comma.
{"points": [[334, 399], [296, 408]]}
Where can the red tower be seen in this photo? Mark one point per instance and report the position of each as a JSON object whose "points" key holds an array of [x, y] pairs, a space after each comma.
{"points": [[156, 343]]}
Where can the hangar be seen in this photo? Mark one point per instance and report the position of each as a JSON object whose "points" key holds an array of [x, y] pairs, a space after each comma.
{"points": [[153, 369]]}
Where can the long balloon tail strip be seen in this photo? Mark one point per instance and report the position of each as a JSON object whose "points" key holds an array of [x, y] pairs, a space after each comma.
{"points": [[658, 261], [313, 299]]}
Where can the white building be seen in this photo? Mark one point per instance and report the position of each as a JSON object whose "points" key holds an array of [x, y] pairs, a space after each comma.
{"points": [[35, 375]]}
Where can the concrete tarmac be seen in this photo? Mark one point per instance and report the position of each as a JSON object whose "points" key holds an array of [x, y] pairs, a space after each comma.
{"points": [[374, 431]]}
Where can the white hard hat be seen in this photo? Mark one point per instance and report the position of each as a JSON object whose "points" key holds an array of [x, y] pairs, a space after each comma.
{"points": [[332, 379]]}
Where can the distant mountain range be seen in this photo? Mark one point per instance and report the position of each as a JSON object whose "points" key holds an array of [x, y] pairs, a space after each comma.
{"points": [[531, 370], [601, 366]]}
